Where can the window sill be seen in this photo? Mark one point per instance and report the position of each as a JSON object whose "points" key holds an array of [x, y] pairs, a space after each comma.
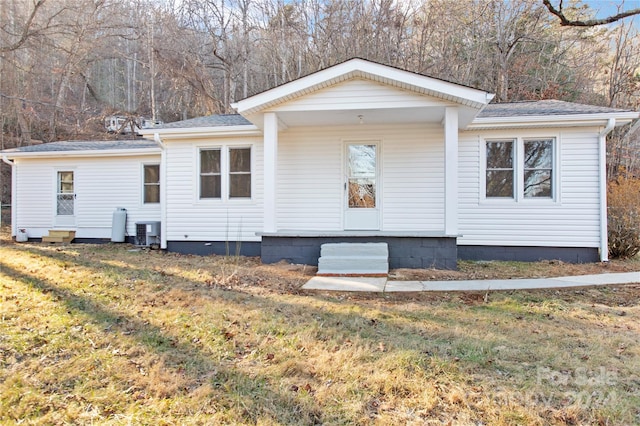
{"points": [[522, 202]]}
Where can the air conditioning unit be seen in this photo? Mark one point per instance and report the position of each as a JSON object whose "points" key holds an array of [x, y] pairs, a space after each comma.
{"points": [[148, 234]]}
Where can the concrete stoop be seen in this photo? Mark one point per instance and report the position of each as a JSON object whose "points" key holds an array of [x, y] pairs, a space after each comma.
{"points": [[354, 260]]}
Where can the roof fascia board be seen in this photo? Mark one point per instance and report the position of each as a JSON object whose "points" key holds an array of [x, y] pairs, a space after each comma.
{"points": [[244, 130], [85, 153], [553, 120], [361, 68]]}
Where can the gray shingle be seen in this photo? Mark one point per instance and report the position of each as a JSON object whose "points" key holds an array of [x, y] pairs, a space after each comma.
{"points": [[74, 146], [208, 121], [541, 108]]}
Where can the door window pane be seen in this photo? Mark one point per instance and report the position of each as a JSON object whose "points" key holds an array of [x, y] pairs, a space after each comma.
{"points": [[65, 182], [361, 176], [65, 196]]}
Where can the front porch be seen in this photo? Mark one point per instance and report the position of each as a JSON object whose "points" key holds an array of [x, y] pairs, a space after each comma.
{"points": [[406, 250]]}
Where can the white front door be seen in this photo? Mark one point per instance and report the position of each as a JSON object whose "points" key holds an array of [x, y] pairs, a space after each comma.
{"points": [[65, 200], [361, 186]]}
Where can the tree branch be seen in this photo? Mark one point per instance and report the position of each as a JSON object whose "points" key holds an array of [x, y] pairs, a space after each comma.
{"points": [[26, 30], [566, 22]]}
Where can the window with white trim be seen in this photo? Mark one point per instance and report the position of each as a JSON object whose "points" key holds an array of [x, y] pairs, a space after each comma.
{"points": [[499, 171], [210, 173], [151, 186], [225, 173], [538, 168], [239, 172], [520, 168]]}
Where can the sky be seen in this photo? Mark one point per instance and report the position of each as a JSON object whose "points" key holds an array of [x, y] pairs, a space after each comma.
{"points": [[606, 8]]}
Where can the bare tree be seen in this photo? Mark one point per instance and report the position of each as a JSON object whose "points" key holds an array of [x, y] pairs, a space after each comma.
{"points": [[21, 24], [579, 22]]}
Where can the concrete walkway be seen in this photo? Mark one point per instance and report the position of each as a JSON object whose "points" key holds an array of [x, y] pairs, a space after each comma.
{"points": [[383, 285]]}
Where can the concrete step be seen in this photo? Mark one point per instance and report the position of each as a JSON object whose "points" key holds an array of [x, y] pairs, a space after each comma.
{"points": [[354, 249], [354, 259]]}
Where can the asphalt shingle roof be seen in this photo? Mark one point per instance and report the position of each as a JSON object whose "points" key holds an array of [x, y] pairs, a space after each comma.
{"points": [[542, 108], [208, 121], [507, 109], [74, 146]]}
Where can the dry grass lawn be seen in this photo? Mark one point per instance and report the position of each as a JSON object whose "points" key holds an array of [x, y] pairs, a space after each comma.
{"points": [[107, 335]]}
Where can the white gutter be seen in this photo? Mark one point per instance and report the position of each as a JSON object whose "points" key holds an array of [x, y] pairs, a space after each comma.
{"points": [[163, 191], [602, 145], [551, 121], [84, 153], [194, 132], [6, 160], [14, 195]]}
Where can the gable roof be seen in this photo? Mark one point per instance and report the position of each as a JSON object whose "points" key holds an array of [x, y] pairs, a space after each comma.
{"points": [[85, 148], [364, 69]]}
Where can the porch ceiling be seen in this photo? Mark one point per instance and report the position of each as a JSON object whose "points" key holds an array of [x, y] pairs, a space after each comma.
{"points": [[364, 116]]}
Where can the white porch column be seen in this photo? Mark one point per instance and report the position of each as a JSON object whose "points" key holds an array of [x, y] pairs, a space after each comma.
{"points": [[451, 170], [270, 170]]}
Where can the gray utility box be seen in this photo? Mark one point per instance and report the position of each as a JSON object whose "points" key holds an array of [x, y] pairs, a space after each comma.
{"points": [[147, 233]]}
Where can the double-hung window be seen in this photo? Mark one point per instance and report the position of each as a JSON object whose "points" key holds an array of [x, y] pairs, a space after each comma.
{"points": [[240, 173], [538, 168], [210, 173], [520, 168], [225, 173], [151, 190], [500, 171]]}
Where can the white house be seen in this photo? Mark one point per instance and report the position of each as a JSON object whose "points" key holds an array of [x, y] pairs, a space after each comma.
{"points": [[355, 152]]}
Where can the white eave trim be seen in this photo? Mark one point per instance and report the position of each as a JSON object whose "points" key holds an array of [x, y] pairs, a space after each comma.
{"points": [[359, 68], [187, 132], [85, 153], [569, 120]]}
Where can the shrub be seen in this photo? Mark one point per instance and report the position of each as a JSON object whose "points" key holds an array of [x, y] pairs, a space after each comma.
{"points": [[624, 217]]}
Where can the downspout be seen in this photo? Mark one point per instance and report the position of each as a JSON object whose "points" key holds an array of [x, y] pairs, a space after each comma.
{"points": [[14, 195], [163, 191], [602, 145]]}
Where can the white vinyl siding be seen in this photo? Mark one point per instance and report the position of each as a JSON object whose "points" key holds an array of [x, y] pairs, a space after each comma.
{"points": [[569, 220], [191, 219], [311, 177], [413, 179], [310, 180], [100, 184]]}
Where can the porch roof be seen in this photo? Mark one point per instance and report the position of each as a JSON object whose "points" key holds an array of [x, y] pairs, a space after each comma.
{"points": [[435, 94]]}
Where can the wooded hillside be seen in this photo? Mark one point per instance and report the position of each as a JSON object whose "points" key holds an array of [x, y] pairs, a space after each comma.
{"points": [[66, 64]]}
